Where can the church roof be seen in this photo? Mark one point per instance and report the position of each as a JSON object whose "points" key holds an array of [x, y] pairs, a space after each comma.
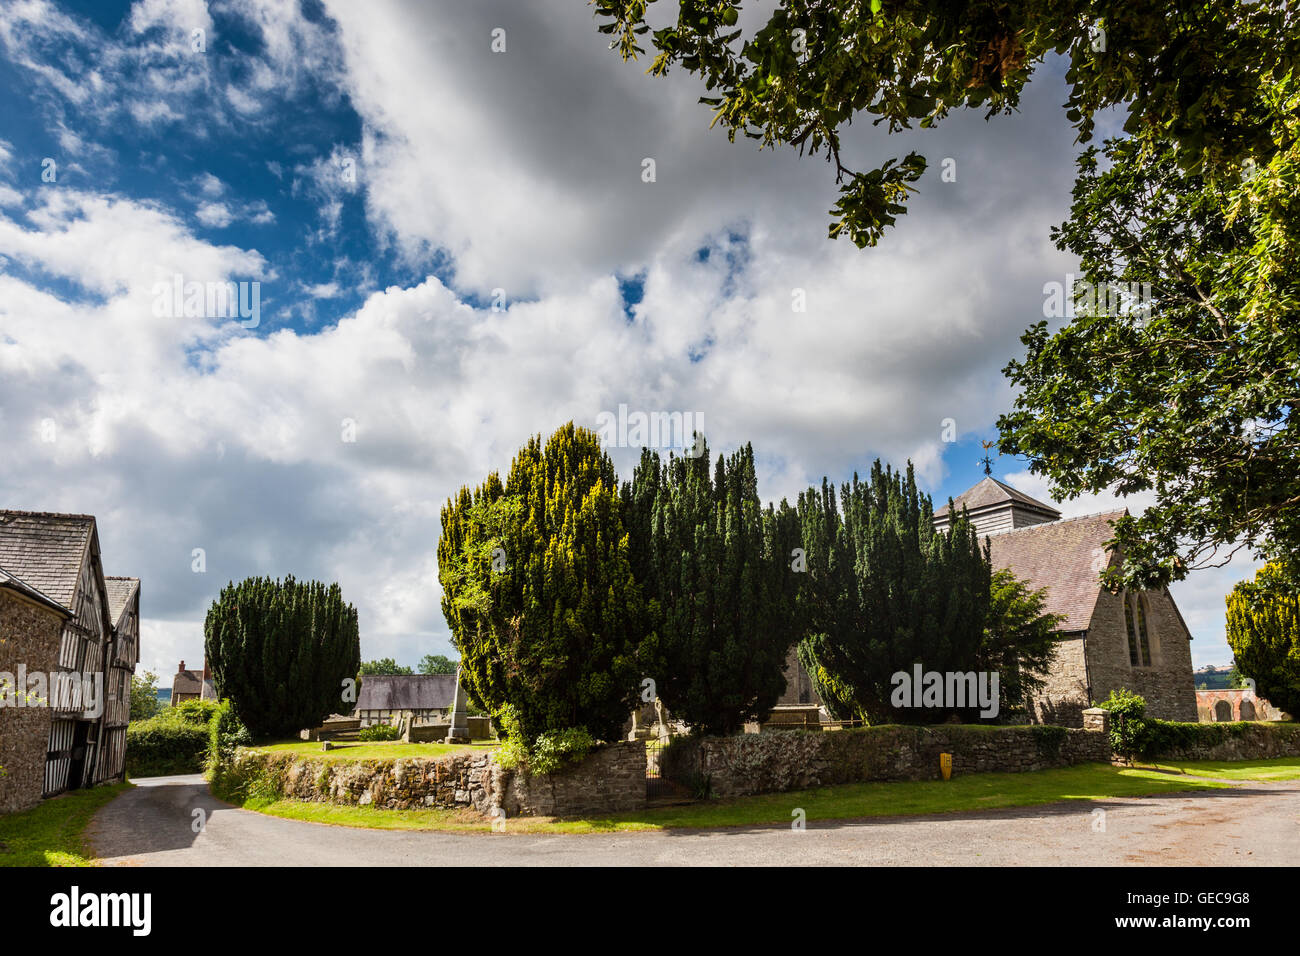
{"points": [[1066, 557], [989, 493]]}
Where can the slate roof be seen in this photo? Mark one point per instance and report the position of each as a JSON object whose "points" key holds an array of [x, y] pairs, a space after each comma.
{"points": [[46, 551], [119, 591], [11, 583], [1066, 557], [991, 492], [407, 692]]}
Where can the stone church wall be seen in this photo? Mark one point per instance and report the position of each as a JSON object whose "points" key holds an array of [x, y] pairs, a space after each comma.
{"points": [[1167, 685]]}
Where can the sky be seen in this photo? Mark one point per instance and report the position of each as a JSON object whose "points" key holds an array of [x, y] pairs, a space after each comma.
{"points": [[445, 235]]}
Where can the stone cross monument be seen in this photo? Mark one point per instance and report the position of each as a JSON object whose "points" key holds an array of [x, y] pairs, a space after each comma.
{"points": [[459, 732]]}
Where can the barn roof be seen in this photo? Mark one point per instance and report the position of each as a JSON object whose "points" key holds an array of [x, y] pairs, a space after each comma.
{"points": [[1065, 557], [407, 692], [120, 591], [990, 493], [11, 583], [46, 550]]}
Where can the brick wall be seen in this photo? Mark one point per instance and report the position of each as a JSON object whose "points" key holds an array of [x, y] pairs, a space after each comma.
{"points": [[30, 636], [792, 760]]}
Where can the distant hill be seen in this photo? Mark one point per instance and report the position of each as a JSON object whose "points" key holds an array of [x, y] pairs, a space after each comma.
{"points": [[164, 695], [1212, 678]]}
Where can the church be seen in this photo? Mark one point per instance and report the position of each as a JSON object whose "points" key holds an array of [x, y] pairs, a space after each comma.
{"points": [[1133, 640]]}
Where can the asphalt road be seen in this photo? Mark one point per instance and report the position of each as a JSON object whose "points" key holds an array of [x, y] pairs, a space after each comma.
{"points": [[154, 825]]}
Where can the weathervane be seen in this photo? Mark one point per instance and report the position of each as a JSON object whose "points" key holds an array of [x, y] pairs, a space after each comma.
{"points": [[986, 461]]}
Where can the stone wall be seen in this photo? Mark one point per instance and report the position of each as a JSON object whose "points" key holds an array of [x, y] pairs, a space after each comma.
{"points": [[612, 778], [29, 635], [1167, 684], [792, 760], [1065, 686]]}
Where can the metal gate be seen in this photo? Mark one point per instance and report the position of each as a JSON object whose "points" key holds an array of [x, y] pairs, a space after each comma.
{"points": [[655, 785]]}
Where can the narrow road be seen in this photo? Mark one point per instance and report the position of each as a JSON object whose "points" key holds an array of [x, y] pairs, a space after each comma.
{"points": [[154, 824]]}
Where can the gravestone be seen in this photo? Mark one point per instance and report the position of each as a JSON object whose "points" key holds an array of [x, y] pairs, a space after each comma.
{"points": [[459, 732]]}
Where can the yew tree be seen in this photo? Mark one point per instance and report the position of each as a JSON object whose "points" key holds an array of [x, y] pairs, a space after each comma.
{"points": [[539, 593], [718, 571]]}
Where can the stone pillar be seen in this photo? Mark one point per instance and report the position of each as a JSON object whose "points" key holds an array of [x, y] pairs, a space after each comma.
{"points": [[459, 731], [1096, 719]]}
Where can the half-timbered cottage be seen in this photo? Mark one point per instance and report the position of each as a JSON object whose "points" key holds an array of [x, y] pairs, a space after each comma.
{"points": [[70, 644]]}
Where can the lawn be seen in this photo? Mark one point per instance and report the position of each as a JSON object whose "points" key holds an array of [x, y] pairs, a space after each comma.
{"points": [[52, 832], [850, 801], [374, 750], [1277, 768]]}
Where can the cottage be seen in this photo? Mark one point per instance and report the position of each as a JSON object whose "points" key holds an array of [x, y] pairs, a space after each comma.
{"points": [[386, 697], [192, 685], [69, 641]]}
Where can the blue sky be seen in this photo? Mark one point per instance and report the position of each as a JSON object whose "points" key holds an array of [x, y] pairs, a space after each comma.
{"points": [[456, 248]]}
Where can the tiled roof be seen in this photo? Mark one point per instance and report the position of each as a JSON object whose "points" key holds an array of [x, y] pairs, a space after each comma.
{"points": [[46, 550], [9, 582], [990, 492], [407, 692], [120, 591], [1066, 557], [187, 682]]}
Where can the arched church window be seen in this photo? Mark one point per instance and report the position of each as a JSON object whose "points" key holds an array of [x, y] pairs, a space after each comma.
{"points": [[1135, 624]]}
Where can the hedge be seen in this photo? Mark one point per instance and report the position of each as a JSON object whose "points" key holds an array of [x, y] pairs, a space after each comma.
{"points": [[165, 745]]}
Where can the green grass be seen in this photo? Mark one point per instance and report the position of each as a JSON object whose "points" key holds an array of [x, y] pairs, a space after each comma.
{"points": [[850, 801], [375, 750], [52, 832], [1277, 768]]}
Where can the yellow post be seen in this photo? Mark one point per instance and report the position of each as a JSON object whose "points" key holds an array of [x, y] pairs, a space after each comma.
{"points": [[945, 766]]}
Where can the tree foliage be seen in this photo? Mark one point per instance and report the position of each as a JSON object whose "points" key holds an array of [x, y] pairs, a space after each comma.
{"points": [[715, 568], [144, 696], [437, 664], [885, 591], [1195, 75], [280, 651], [385, 665], [539, 594], [1019, 641], [1263, 630], [1191, 395]]}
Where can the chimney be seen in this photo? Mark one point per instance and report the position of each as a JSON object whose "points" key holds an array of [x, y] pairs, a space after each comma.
{"points": [[181, 669]]}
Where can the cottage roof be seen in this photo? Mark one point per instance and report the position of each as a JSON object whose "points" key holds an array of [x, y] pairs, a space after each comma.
{"points": [[1065, 557], [46, 550], [120, 591], [407, 692], [187, 682], [990, 493], [11, 583]]}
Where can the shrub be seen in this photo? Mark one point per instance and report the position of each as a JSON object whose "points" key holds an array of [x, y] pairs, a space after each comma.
{"points": [[195, 711], [225, 734], [1127, 722], [165, 745], [379, 732], [549, 752]]}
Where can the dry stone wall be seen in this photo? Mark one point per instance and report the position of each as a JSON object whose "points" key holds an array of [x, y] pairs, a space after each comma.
{"points": [[792, 760], [612, 778]]}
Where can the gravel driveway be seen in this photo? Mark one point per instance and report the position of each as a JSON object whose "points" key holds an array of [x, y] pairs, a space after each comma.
{"points": [[1257, 823]]}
